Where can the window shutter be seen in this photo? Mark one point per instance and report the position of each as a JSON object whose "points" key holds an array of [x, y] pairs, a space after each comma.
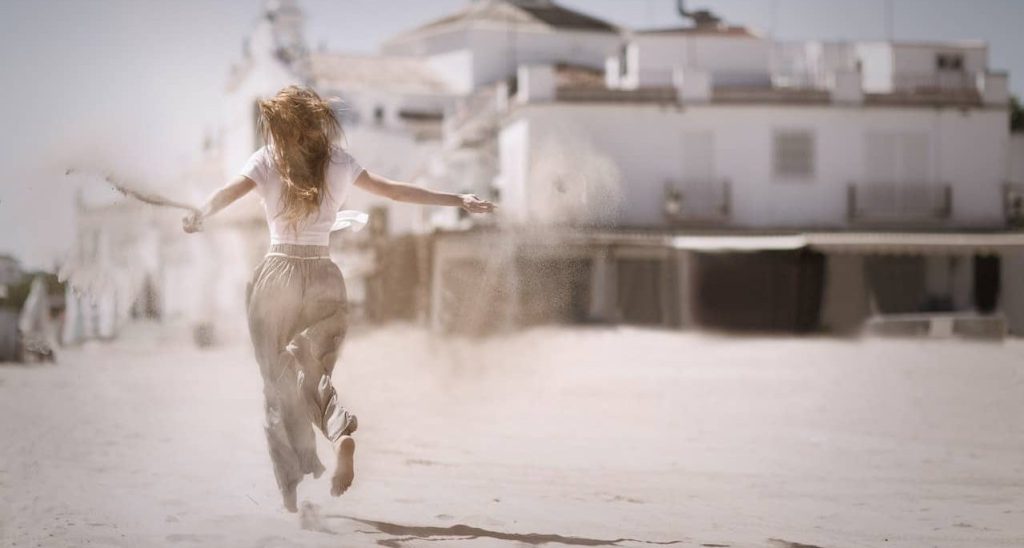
{"points": [[794, 154]]}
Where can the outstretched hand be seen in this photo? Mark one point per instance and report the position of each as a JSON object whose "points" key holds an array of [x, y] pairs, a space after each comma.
{"points": [[193, 222], [473, 204]]}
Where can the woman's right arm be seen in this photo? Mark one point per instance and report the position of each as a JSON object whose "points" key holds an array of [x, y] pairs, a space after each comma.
{"points": [[405, 192], [223, 197]]}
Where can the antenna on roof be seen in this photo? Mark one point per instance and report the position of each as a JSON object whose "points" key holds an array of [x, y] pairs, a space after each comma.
{"points": [[890, 20], [775, 18], [701, 18]]}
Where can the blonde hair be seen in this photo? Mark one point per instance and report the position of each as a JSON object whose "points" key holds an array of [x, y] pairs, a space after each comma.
{"points": [[303, 128]]}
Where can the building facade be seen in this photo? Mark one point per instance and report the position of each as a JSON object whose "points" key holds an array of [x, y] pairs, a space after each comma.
{"points": [[668, 177]]}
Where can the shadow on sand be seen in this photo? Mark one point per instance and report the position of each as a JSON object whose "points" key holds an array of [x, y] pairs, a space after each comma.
{"points": [[407, 533]]}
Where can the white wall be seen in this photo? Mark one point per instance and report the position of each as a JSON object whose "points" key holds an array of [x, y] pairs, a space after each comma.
{"points": [[427, 43], [513, 169], [497, 54], [911, 58], [967, 150], [876, 65], [455, 68], [730, 60], [890, 67]]}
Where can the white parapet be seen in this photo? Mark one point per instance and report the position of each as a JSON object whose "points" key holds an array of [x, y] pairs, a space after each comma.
{"points": [[502, 97], [536, 83], [613, 72], [692, 86], [849, 88], [994, 87]]}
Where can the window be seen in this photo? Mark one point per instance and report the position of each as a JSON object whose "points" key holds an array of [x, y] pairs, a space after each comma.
{"points": [[793, 154], [949, 61], [624, 60], [378, 115]]}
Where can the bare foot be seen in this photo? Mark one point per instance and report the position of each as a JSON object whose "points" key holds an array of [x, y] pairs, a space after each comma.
{"points": [[289, 496], [344, 470]]}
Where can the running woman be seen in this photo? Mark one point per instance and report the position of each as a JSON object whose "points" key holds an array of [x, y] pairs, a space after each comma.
{"points": [[296, 301]]}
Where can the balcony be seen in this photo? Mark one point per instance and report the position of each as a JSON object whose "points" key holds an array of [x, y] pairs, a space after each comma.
{"points": [[899, 203], [698, 202], [935, 82], [811, 65]]}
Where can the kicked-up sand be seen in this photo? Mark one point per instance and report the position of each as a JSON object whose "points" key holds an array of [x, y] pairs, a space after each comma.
{"points": [[549, 437]]}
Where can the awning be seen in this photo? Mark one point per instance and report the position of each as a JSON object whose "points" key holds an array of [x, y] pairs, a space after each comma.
{"points": [[916, 243], [716, 243], [866, 243], [862, 243]]}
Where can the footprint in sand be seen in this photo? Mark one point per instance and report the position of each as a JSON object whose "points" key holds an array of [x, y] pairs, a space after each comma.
{"points": [[276, 542]]}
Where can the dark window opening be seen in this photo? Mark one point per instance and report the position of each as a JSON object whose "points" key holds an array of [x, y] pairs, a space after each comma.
{"points": [[950, 61], [986, 283], [420, 115]]}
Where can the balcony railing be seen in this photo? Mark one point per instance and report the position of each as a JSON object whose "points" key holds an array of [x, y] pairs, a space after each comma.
{"points": [[935, 82], [898, 203], [810, 65], [700, 202]]}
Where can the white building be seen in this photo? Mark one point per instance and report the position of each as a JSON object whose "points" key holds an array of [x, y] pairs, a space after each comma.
{"points": [[425, 110], [717, 125], [415, 112], [571, 122], [714, 127], [487, 41], [113, 269], [709, 124]]}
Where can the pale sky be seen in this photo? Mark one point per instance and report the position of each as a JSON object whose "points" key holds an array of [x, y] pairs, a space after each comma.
{"points": [[135, 83]]}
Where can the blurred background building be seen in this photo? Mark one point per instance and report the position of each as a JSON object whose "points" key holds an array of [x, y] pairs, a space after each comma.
{"points": [[702, 175]]}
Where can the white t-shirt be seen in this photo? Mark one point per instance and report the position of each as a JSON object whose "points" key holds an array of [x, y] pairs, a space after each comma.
{"points": [[341, 174]]}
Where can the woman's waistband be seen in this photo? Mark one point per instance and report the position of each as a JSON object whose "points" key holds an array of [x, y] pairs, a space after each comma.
{"points": [[298, 251]]}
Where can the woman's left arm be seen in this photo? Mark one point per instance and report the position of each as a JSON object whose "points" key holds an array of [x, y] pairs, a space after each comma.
{"points": [[404, 192]]}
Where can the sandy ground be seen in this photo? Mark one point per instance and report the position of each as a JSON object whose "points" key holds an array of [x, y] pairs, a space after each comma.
{"points": [[555, 437]]}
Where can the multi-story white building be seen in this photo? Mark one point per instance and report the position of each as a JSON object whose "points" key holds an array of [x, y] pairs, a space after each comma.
{"points": [[574, 124], [719, 126], [715, 127]]}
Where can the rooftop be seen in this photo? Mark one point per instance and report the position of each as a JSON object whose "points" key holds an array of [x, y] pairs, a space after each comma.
{"points": [[705, 30], [378, 73], [538, 13]]}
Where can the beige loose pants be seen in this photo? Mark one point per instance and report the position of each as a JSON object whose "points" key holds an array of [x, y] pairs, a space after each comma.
{"points": [[297, 312]]}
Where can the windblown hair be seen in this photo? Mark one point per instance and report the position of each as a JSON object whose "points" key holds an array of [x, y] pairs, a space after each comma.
{"points": [[302, 128]]}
